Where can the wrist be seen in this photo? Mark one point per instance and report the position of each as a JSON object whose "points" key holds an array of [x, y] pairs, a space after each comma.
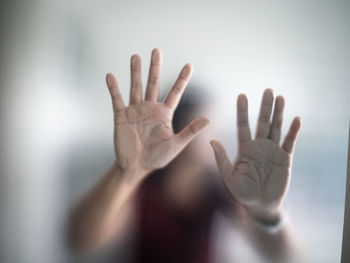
{"points": [[266, 216], [268, 221], [130, 176]]}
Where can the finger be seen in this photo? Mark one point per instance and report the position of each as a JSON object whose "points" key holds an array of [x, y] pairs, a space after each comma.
{"points": [[117, 99], [242, 119], [187, 134], [291, 136], [263, 129], [136, 83], [277, 119], [175, 93], [154, 75], [223, 162]]}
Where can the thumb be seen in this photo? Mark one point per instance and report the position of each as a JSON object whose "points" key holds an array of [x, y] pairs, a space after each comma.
{"points": [[187, 134], [223, 162]]}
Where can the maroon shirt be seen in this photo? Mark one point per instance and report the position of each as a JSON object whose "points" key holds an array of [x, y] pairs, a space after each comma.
{"points": [[167, 234]]}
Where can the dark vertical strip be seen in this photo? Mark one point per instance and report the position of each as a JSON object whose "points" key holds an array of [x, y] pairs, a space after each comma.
{"points": [[346, 234]]}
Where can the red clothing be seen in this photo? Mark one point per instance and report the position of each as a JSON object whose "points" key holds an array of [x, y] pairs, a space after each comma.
{"points": [[167, 234]]}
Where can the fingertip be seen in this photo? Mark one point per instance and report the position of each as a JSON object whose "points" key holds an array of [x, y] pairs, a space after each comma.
{"points": [[205, 120], [268, 91], [187, 71], [213, 144], [157, 55], [202, 123], [297, 120], [242, 96], [135, 58], [280, 102], [156, 50], [219, 150], [242, 100], [280, 98], [216, 145], [109, 79], [189, 65]]}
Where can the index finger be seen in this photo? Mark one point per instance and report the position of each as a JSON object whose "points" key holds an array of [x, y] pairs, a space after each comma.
{"points": [[174, 95], [117, 99]]}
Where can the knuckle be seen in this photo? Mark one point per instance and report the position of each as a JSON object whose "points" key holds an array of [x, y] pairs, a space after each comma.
{"points": [[264, 119], [242, 122], [242, 110], [136, 85], [278, 124], [156, 63], [115, 96], [192, 129], [153, 80], [135, 68], [176, 89], [290, 139]]}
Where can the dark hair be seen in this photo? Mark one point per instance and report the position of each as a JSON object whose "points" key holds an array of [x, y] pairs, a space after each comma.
{"points": [[191, 102]]}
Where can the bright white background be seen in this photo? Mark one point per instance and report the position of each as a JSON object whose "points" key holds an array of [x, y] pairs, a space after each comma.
{"points": [[56, 118]]}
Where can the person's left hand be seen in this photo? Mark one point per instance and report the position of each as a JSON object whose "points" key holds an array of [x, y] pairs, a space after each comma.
{"points": [[260, 176]]}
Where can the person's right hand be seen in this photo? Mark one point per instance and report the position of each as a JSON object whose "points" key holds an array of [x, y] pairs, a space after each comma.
{"points": [[143, 134]]}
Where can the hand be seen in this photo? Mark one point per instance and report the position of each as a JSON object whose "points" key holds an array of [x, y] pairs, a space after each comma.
{"points": [[260, 176], [143, 135]]}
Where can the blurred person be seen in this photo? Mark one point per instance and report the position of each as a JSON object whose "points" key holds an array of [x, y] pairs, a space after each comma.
{"points": [[163, 186]]}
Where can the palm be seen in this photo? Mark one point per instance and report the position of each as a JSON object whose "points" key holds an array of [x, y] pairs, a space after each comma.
{"points": [[261, 173], [259, 178], [143, 134]]}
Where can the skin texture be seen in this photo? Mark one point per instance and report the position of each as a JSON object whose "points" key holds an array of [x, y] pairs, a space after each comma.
{"points": [[260, 176], [144, 138]]}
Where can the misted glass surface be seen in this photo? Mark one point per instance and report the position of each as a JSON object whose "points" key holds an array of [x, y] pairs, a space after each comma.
{"points": [[89, 174]]}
